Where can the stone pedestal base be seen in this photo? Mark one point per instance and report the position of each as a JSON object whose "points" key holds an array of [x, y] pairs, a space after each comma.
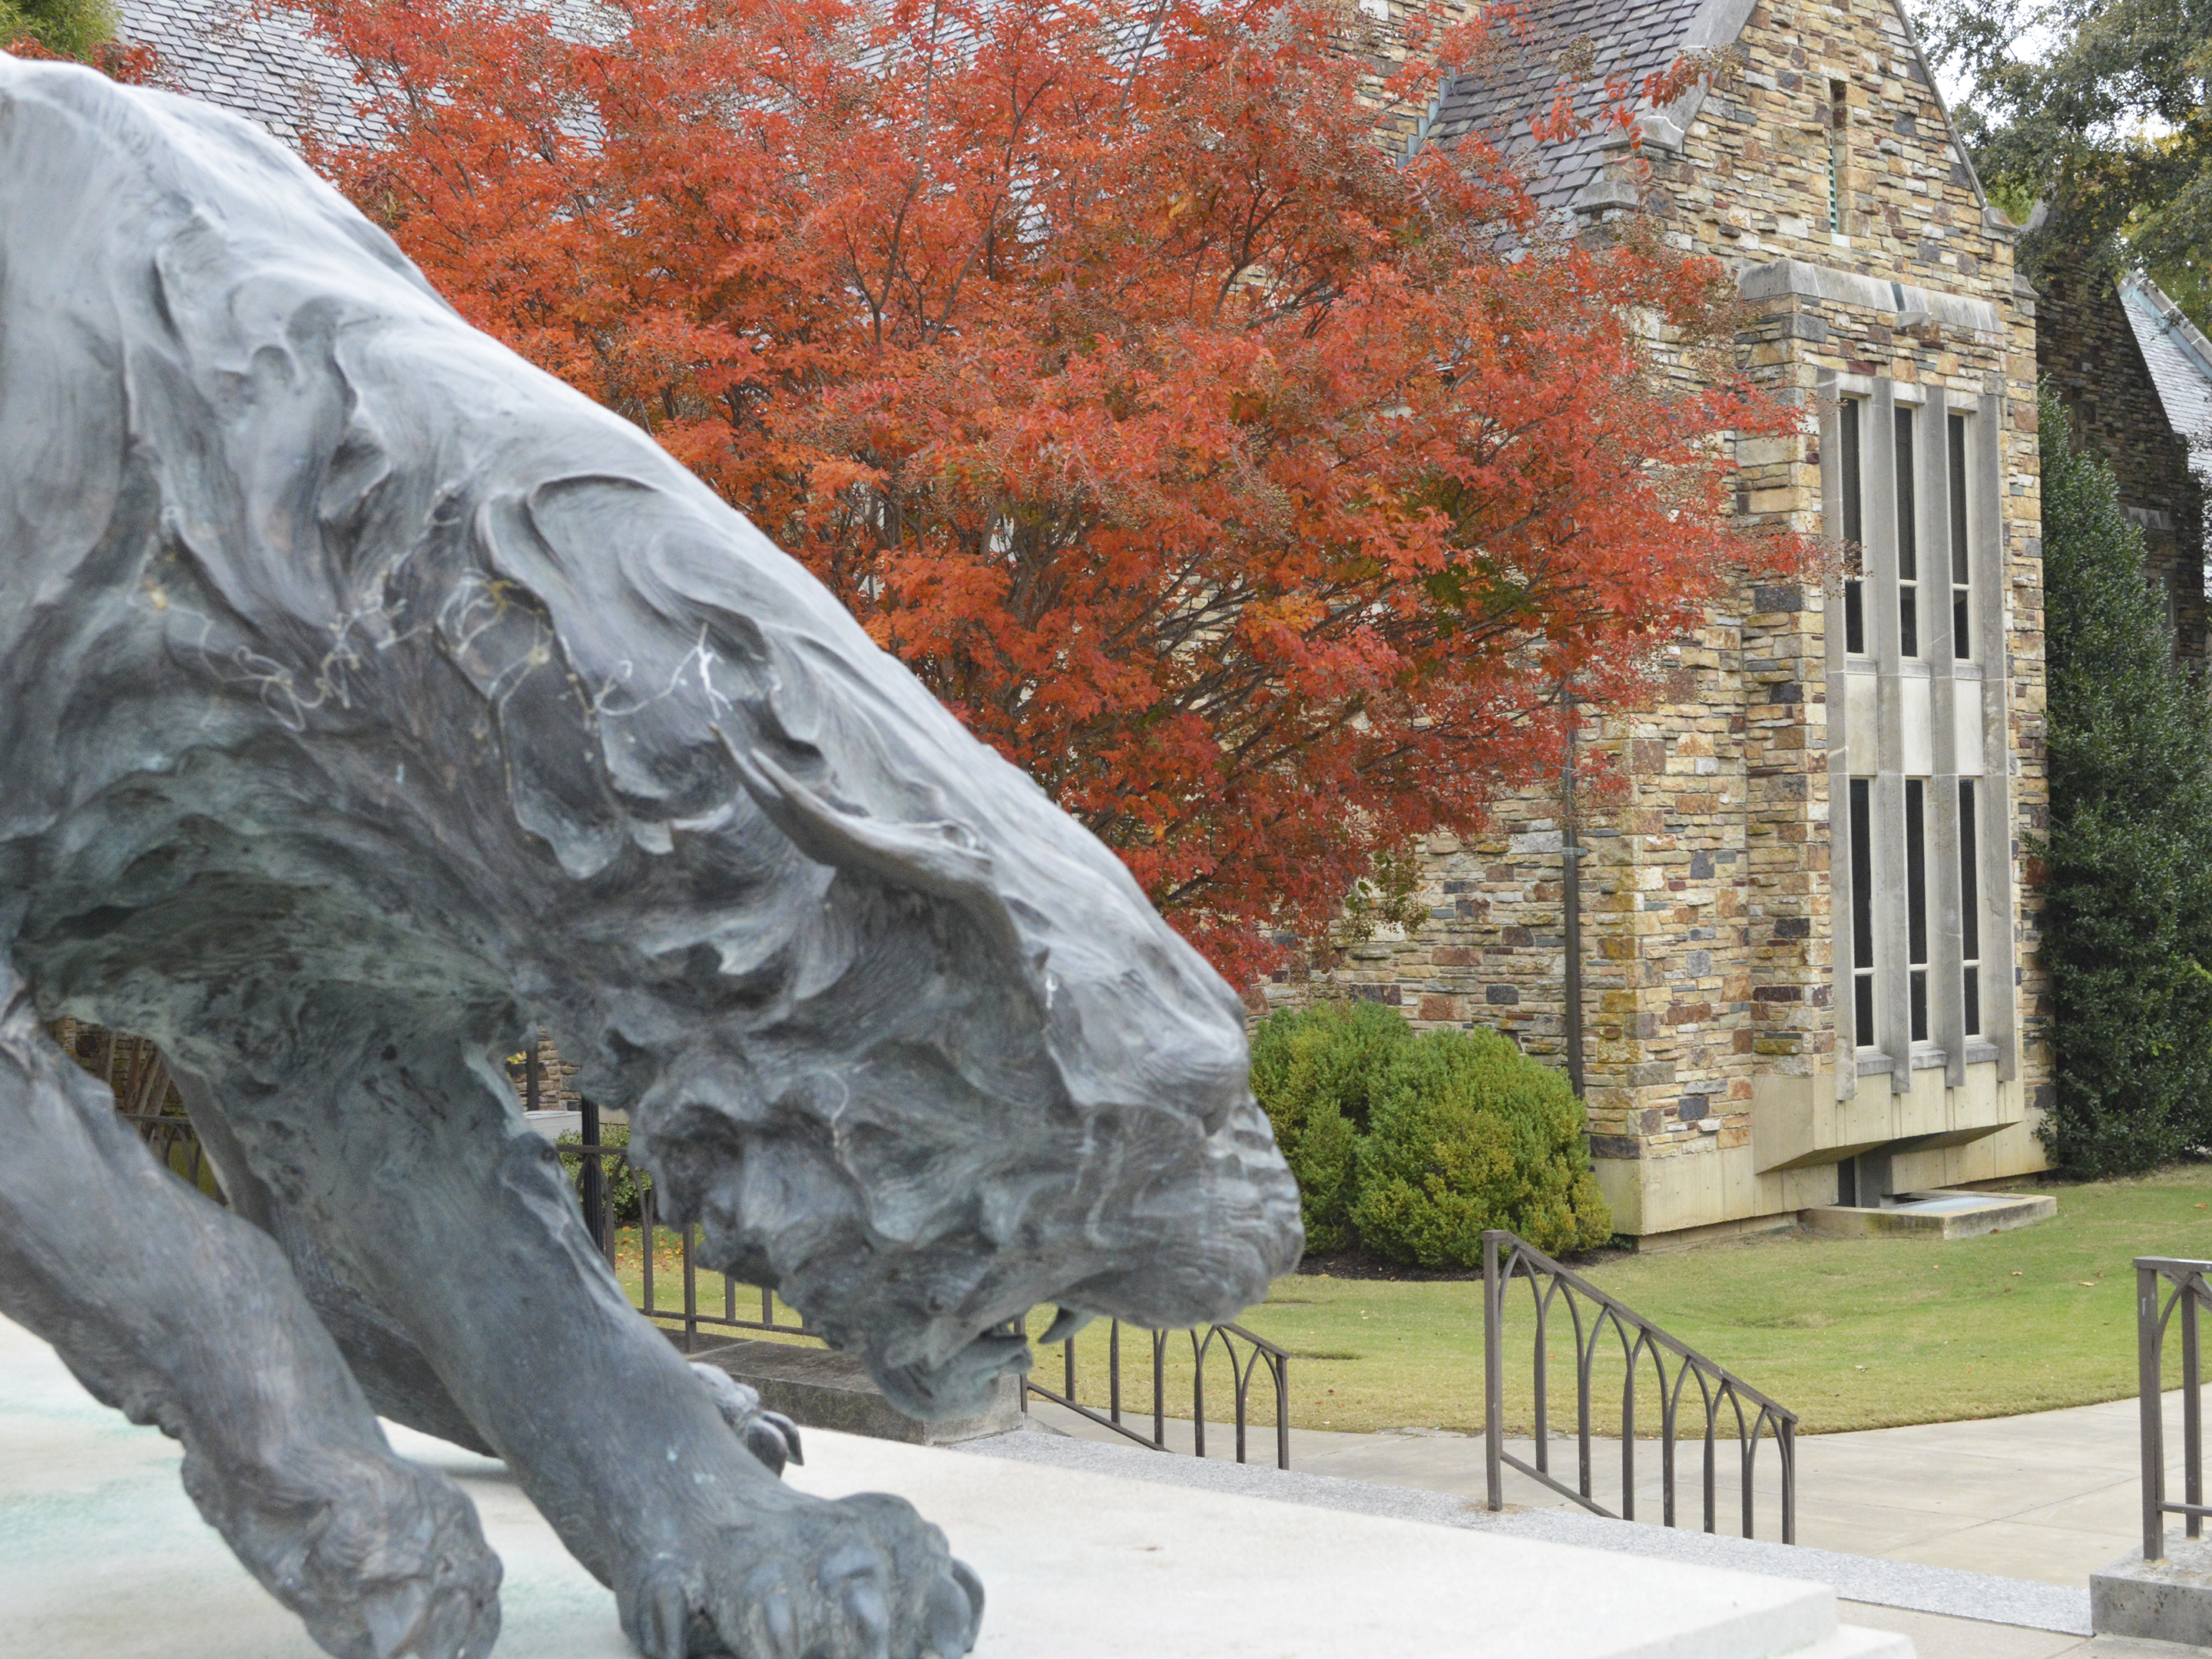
{"points": [[101, 1556], [818, 1388], [2167, 1601]]}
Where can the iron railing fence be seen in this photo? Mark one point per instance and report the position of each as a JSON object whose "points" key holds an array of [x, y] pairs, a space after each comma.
{"points": [[2154, 1312], [597, 1163], [172, 1139], [139, 1079], [1258, 1356], [1246, 1354], [1725, 1398], [174, 1143]]}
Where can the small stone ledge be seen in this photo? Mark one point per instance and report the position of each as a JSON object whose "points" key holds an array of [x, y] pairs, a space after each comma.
{"points": [[820, 1389], [2169, 1600]]}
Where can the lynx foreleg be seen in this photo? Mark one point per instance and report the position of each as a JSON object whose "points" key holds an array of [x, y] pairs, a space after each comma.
{"points": [[181, 1316]]}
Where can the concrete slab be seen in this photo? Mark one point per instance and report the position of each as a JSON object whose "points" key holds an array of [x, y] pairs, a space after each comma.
{"points": [[1933, 1215], [1968, 1596], [1935, 1637], [2049, 1496], [101, 1556]]}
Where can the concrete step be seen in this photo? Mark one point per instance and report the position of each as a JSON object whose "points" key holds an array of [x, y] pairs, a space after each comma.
{"points": [[1933, 1215]]}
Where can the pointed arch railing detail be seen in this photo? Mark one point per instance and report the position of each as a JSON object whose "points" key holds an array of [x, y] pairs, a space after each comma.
{"points": [[2155, 1308], [1600, 1323]]}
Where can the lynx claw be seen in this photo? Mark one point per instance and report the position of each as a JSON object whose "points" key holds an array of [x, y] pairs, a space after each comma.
{"points": [[770, 1437], [864, 1577], [381, 1558], [658, 1620], [773, 1438]]}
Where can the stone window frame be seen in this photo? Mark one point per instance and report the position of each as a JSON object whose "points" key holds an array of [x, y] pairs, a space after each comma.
{"points": [[1953, 691]]}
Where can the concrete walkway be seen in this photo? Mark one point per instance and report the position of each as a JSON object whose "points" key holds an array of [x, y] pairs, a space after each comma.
{"points": [[2053, 1496], [1948, 1613], [2049, 1498]]}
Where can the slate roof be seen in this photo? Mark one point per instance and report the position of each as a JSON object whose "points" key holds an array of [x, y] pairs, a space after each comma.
{"points": [[274, 70], [2179, 358], [1498, 98], [271, 69]]}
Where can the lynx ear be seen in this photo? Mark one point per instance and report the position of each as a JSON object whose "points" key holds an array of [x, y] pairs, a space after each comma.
{"points": [[940, 857]]}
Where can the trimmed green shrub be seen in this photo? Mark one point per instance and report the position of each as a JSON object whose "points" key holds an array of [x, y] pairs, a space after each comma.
{"points": [[1466, 1133], [2127, 921], [1313, 1070], [624, 1185]]}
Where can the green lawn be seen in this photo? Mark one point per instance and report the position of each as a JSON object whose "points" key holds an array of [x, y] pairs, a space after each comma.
{"points": [[1849, 1334]]}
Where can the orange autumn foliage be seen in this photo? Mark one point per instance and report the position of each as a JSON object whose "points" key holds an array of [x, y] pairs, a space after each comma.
{"points": [[1254, 491]]}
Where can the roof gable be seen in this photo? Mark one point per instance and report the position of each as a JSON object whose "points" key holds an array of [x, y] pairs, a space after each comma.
{"points": [[1631, 39], [1522, 78], [2179, 358]]}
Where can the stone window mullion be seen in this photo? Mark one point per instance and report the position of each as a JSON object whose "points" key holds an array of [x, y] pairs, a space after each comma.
{"points": [[1946, 969], [1834, 602], [1893, 987], [1986, 438]]}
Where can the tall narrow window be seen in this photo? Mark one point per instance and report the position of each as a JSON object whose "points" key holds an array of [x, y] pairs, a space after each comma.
{"points": [[1839, 118], [1970, 911], [1908, 543], [1854, 530], [1961, 638], [1916, 905], [1863, 911]]}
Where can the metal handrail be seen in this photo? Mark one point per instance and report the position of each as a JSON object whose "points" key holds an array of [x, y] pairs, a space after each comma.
{"points": [[1506, 1256], [2191, 1288], [598, 1219], [166, 1136], [1263, 1356]]}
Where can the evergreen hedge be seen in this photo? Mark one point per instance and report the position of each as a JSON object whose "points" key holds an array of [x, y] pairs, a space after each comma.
{"points": [[624, 1185], [1410, 1147], [2127, 921], [1467, 1133]]}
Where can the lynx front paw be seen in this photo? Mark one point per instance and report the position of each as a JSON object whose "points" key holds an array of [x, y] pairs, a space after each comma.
{"points": [[380, 1557], [863, 1578]]}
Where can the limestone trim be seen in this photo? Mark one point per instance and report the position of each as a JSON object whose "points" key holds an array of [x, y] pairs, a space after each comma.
{"points": [[1799, 278]]}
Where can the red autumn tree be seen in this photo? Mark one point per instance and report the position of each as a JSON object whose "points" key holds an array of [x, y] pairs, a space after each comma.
{"points": [[1254, 491]]}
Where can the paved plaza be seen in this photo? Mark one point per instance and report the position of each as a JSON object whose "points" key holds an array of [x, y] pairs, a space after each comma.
{"points": [[2048, 1498], [102, 1557], [1974, 1540]]}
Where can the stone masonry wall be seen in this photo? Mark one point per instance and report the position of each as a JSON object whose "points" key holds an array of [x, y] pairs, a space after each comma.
{"points": [[2088, 352], [1709, 947]]}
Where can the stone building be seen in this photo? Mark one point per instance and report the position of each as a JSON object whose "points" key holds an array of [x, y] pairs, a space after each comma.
{"points": [[1808, 926], [2135, 378]]}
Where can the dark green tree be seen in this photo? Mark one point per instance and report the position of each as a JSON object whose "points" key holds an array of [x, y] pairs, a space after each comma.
{"points": [[71, 29], [2100, 111], [2127, 925]]}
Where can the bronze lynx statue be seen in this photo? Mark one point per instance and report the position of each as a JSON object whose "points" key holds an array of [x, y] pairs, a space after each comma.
{"points": [[366, 698]]}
